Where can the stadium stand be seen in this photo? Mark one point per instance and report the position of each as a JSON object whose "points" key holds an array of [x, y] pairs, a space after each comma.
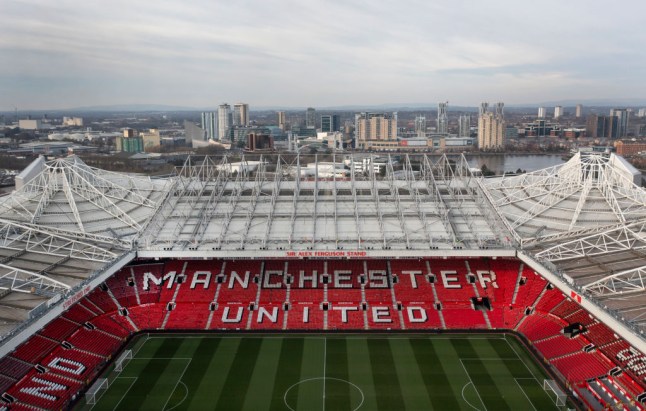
{"points": [[358, 294]]}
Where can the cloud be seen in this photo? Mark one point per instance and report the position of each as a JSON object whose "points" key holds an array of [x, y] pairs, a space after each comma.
{"points": [[308, 52]]}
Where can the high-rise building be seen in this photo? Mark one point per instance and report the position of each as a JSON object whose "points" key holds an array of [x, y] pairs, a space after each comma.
{"points": [[310, 118], [374, 127], [602, 126], [241, 114], [500, 109], [622, 121], [578, 111], [209, 123], [641, 112], [281, 120], [464, 126], [420, 126], [491, 130], [484, 107], [541, 112], [330, 123], [224, 120], [558, 112], [442, 118]]}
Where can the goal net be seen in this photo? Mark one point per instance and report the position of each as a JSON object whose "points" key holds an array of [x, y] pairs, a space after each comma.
{"points": [[552, 386], [96, 391], [123, 360]]}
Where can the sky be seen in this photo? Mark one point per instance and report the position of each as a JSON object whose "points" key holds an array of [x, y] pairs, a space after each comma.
{"points": [[299, 53]]}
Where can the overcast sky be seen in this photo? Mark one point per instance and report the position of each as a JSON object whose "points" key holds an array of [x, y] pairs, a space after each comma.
{"points": [[293, 53]]}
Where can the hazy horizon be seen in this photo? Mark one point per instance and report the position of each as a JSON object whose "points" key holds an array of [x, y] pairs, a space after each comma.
{"points": [[61, 55]]}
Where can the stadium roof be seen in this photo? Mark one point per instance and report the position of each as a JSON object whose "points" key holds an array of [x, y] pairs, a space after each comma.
{"points": [[68, 226]]}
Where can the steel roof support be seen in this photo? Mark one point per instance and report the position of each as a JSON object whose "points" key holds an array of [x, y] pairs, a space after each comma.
{"points": [[625, 282], [23, 281], [394, 192]]}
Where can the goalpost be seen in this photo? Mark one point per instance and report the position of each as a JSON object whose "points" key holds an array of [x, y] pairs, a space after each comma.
{"points": [[97, 389], [561, 397], [123, 360]]}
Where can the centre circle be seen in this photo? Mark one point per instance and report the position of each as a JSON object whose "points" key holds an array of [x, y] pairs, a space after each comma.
{"points": [[317, 384]]}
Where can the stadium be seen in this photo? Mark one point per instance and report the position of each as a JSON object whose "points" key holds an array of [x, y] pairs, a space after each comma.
{"points": [[359, 282]]}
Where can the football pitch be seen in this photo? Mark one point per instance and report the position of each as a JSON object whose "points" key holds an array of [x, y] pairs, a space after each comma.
{"points": [[328, 372]]}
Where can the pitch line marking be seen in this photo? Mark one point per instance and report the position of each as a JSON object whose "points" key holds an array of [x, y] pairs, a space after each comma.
{"points": [[474, 386], [465, 400], [134, 380], [521, 360], [178, 381], [324, 364], [183, 399], [524, 393], [363, 397]]}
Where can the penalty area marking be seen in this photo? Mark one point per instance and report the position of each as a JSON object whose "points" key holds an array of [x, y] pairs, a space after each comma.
{"points": [[324, 378], [465, 399]]}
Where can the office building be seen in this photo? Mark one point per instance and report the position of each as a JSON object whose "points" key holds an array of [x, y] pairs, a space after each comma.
{"points": [[491, 130], [602, 126], [30, 124], [310, 118], [281, 120], [374, 127], [73, 121], [330, 123], [442, 118], [209, 123], [464, 126], [130, 142], [224, 120], [193, 132], [241, 114], [578, 111], [558, 112], [622, 121]]}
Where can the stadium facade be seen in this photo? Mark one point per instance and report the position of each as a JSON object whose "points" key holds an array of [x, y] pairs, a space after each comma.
{"points": [[68, 227]]}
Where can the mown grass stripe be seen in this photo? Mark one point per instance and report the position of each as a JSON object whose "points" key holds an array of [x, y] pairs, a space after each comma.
{"points": [[197, 370], [150, 375], [389, 396], [261, 386], [435, 377], [484, 383], [288, 371], [338, 393], [236, 385], [413, 386]]}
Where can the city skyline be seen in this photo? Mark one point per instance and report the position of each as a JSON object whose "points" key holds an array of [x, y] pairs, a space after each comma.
{"points": [[78, 54]]}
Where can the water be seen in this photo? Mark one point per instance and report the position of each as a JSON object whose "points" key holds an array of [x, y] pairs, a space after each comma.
{"points": [[512, 162]]}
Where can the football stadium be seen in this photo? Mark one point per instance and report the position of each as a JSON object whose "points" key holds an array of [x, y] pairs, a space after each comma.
{"points": [[337, 282]]}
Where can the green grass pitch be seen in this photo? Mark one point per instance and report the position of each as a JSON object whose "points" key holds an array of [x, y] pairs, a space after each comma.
{"points": [[328, 372]]}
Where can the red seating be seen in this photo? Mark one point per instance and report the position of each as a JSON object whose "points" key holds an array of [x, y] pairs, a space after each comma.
{"points": [[538, 326], [148, 291], [267, 317], [95, 342], [465, 318], [59, 329], [79, 314], [72, 363], [559, 345], [14, 368], [108, 324], [47, 391], [232, 316], [581, 366], [188, 316], [423, 316], [34, 349], [549, 300], [600, 334], [305, 316], [366, 303]]}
